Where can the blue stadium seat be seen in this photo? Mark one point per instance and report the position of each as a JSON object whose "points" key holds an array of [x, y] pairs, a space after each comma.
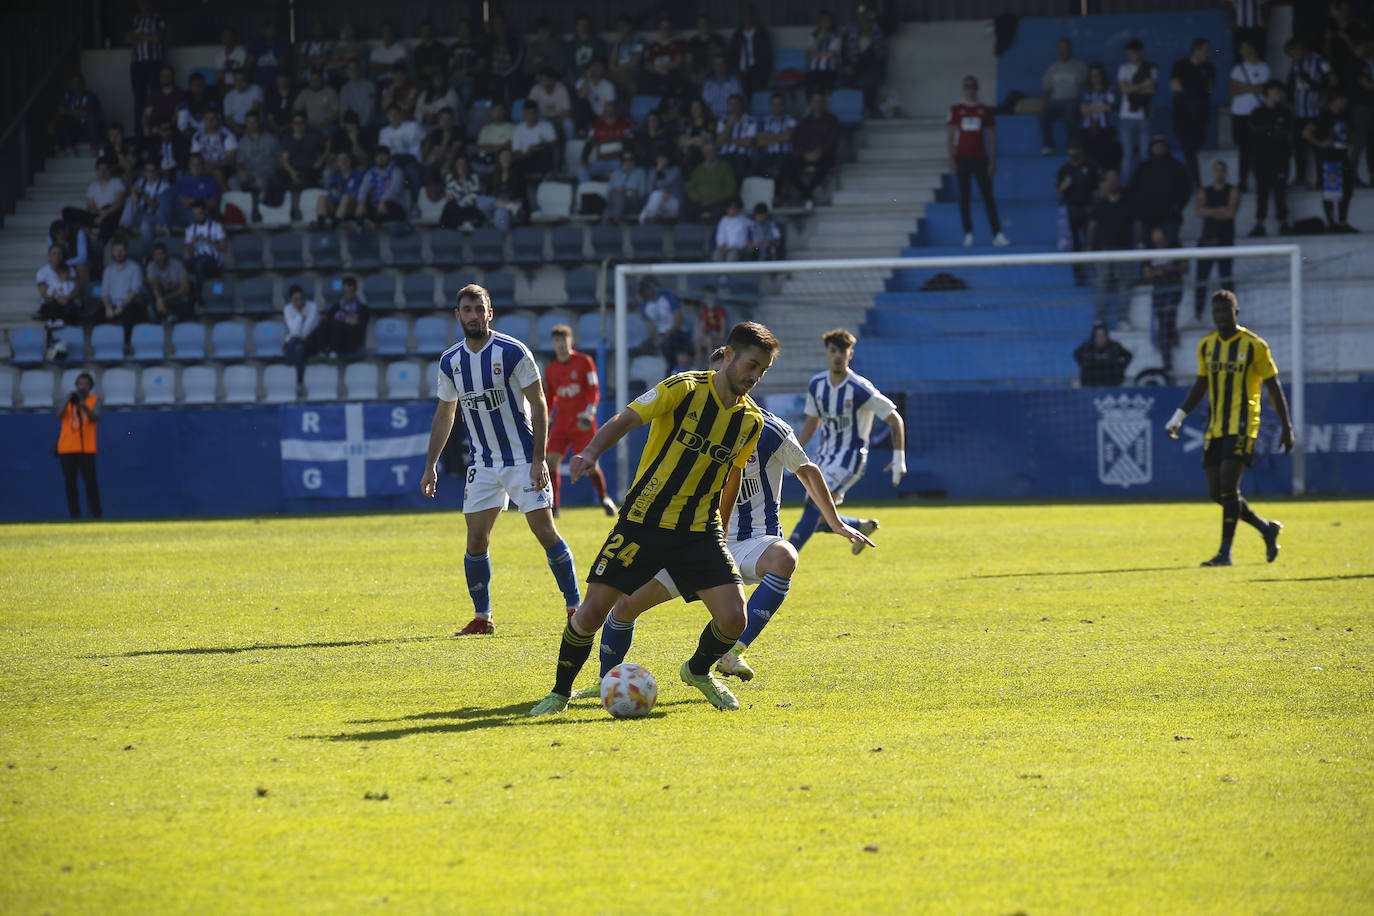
{"points": [[567, 244], [268, 337], [847, 105], [332, 290], [581, 286], [544, 325], [760, 104], [36, 388], [188, 341], [608, 242], [159, 384], [379, 291], [325, 253], [363, 252], [647, 242], [286, 251], [517, 111], [417, 290], [198, 384], [589, 330], [447, 247], [278, 384], [241, 384], [641, 105], [217, 294], [488, 246], [501, 286], [229, 339], [527, 243], [392, 336], [360, 382], [454, 282], [74, 336], [149, 342], [257, 297], [433, 334], [246, 250], [785, 59], [406, 250], [209, 74], [689, 241], [403, 381], [479, 115], [107, 343], [28, 343], [119, 386]]}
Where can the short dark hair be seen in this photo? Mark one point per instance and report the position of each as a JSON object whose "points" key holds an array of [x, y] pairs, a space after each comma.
{"points": [[760, 207], [752, 334], [474, 291], [840, 338], [1275, 84], [1225, 295], [717, 354], [1198, 43], [87, 376], [561, 330], [351, 281], [1135, 44], [777, 96], [159, 246], [295, 288]]}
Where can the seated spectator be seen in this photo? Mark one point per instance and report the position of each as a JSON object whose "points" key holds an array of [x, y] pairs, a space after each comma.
{"points": [[170, 285], [731, 240], [544, 51], [104, 203], [339, 202], [626, 190], [593, 92], [205, 243], [145, 202], [301, 317], [75, 249], [384, 59], [533, 142], [662, 314], [1076, 185], [119, 152], [817, 142], [302, 160], [428, 56], [751, 51], [462, 61], [493, 139], [605, 142], [58, 300], [551, 98], [444, 142], [712, 324], [711, 186], [653, 138], [194, 103], [865, 56], [583, 47], [169, 149], [315, 53], [1097, 129], [77, 118], [163, 102], [190, 189], [320, 104], [1060, 89], [665, 190], [698, 128], [257, 165], [349, 47], [665, 61], [436, 97], [1160, 189], [462, 193], [358, 95], [121, 290], [824, 55], [776, 157], [382, 194], [1101, 361], [401, 92], [626, 56], [505, 198], [230, 58], [720, 86], [344, 329], [268, 54], [765, 235], [218, 146], [1109, 229], [405, 140], [1166, 275], [735, 134], [240, 100], [279, 105], [348, 139]]}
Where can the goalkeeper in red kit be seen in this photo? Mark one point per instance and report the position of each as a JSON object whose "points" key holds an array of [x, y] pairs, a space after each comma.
{"points": [[572, 392]]}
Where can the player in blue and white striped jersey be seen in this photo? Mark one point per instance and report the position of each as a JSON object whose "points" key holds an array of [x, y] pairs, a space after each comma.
{"points": [[495, 379], [843, 405], [754, 537]]}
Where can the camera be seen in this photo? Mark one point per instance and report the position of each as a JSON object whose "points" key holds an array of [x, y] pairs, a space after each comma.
{"points": [[74, 397]]}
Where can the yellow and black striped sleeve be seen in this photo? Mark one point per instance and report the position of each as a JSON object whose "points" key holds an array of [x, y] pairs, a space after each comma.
{"points": [[666, 395]]}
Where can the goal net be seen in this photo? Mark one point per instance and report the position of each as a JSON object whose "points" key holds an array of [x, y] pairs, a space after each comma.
{"points": [[990, 358]]}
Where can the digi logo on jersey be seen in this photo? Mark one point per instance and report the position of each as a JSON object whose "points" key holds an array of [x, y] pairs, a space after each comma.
{"points": [[488, 399], [694, 443]]}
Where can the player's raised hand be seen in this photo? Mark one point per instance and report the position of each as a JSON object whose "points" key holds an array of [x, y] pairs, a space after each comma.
{"points": [[430, 482], [539, 475], [577, 467], [855, 536], [1287, 440]]}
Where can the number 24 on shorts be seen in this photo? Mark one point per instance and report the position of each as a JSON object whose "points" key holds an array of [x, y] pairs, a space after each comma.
{"points": [[613, 550]]}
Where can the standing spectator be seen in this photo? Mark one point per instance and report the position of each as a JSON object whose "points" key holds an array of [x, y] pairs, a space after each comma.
{"points": [[1101, 361], [776, 158], [824, 55], [340, 199], [428, 56], [205, 243], [462, 191], [1109, 229], [1248, 77], [1137, 79], [593, 91], [444, 142], [1060, 89], [533, 141], [1159, 190], [57, 294], [731, 239], [171, 286], [665, 190], [1076, 184], [751, 51], [505, 197], [971, 139], [218, 146], [605, 142], [1249, 19], [462, 63], [301, 317], [551, 98], [1166, 276], [315, 53], [765, 235], [818, 143], [77, 118], [344, 329], [145, 36], [145, 201], [358, 95], [542, 52], [626, 56], [195, 187], [494, 138], [1308, 79], [302, 160], [320, 103], [268, 54], [583, 48], [104, 203], [865, 55], [382, 194], [121, 290], [711, 326], [1329, 136], [230, 58], [279, 105], [625, 191], [161, 102], [1340, 40], [1216, 206], [240, 100], [256, 165], [711, 185], [76, 445], [1271, 127], [1191, 82], [401, 92], [436, 97], [1362, 109], [1096, 131], [665, 61], [699, 129], [701, 48], [383, 60], [662, 313], [736, 133], [168, 149], [718, 89], [194, 103]]}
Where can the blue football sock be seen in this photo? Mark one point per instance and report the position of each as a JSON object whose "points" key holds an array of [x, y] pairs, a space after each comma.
{"points": [[806, 526], [478, 570], [561, 562], [616, 637], [765, 601]]}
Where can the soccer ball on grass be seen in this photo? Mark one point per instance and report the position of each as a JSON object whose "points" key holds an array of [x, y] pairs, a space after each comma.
{"points": [[628, 691]]}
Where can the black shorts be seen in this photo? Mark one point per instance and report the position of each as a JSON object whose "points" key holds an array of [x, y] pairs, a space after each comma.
{"points": [[1228, 448], [634, 553]]}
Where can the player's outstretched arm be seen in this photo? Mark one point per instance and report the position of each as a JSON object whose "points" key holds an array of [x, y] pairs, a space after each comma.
{"points": [[1194, 398], [439, 430], [605, 437], [814, 481], [1287, 439], [539, 425], [897, 466]]}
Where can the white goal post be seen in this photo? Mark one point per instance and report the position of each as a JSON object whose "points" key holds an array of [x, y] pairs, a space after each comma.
{"points": [[1294, 371]]}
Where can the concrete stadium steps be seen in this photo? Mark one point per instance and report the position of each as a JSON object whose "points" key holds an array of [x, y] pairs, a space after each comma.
{"points": [[61, 183]]}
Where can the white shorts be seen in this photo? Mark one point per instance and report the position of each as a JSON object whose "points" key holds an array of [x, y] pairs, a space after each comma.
{"points": [[839, 478], [746, 554], [496, 488]]}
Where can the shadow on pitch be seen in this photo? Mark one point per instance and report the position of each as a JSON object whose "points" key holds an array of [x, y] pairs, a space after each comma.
{"points": [[1337, 578], [1084, 572], [267, 647], [456, 721]]}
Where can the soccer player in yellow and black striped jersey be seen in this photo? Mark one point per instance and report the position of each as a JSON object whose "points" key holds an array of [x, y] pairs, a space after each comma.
{"points": [[703, 428], [1232, 362]]}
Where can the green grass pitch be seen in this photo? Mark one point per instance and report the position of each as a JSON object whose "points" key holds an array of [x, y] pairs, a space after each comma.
{"points": [[1004, 709]]}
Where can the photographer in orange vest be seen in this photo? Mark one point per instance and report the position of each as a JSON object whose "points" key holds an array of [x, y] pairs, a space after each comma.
{"points": [[76, 444]]}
